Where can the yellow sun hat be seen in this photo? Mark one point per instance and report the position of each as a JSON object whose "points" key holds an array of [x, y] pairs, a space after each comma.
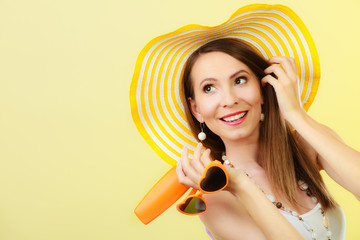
{"points": [[155, 91]]}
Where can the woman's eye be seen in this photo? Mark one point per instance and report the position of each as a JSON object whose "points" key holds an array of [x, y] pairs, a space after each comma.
{"points": [[240, 80], [208, 88]]}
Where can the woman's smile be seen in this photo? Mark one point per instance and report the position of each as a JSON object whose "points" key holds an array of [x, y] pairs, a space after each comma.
{"points": [[234, 118]]}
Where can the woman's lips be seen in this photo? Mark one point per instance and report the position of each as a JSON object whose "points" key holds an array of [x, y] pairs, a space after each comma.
{"points": [[234, 118]]}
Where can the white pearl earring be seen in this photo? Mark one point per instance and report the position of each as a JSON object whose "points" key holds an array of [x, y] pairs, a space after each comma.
{"points": [[262, 116], [201, 135]]}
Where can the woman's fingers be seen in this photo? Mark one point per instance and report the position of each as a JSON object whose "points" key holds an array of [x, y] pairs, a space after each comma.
{"points": [[186, 164], [206, 160], [285, 78], [197, 163], [270, 80], [191, 171], [184, 170], [288, 65], [277, 70], [285, 84], [183, 179]]}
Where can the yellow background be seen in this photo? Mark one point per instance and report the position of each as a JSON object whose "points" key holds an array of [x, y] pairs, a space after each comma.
{"points": [[72, 163]]}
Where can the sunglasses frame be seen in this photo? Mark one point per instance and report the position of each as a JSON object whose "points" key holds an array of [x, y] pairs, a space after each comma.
{"points": [[192, 194]]}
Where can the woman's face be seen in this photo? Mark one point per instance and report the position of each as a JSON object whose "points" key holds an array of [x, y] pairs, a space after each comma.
{"points": [[227, 96]]}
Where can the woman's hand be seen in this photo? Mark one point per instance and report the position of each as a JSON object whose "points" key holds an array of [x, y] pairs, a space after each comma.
{"points": [[190, 172], [286, 85]]}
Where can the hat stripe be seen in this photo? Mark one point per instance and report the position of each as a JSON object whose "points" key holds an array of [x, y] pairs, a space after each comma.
{"points": [[283, 32], [155, 112], [148, 108], [307, 53], [147, 117], [156, 103], [307, 60], [294, 38], [279, 50]]}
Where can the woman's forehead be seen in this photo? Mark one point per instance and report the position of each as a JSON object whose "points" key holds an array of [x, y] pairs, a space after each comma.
{"points": [[217, 64]]}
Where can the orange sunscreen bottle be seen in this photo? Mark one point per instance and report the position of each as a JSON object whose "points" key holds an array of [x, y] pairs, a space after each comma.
{"points": [[160, 197]]}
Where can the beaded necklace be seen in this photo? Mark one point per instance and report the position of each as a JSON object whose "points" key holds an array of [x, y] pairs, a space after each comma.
{"points": [[303, 187]]}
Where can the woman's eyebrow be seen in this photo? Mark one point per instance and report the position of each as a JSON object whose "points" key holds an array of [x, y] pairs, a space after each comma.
{"points": [[238, 72], [208, 79]]}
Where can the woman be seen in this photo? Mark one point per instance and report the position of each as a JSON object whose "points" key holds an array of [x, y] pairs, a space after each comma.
{"points": [[228, 87], [251, 113]]}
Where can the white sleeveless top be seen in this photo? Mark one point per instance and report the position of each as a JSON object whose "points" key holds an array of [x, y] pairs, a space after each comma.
{"points": [[314, 219]]}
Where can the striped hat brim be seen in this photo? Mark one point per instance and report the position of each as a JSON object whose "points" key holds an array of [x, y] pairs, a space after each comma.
{"points": [[155, 92]]}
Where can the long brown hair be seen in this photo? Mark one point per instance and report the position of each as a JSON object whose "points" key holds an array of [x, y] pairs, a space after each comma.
{"points": [[282, 156]]}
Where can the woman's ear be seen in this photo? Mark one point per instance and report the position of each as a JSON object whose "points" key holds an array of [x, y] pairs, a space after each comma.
{"points": [[195, 110]]}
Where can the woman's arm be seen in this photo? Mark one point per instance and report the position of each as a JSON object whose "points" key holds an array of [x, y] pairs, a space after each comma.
{"points": [[269, 219], [266, 216], [340, 161]]}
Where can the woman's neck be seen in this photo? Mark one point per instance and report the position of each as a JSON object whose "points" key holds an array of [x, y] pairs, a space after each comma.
{"points": [[243, 154]]}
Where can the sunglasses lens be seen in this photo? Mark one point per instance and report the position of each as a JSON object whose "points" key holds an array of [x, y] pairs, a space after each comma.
{"points": [[215, 180], [193, 205]]}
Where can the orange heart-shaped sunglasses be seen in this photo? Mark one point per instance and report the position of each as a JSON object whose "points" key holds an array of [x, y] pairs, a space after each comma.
{"points": [[214, 179]]}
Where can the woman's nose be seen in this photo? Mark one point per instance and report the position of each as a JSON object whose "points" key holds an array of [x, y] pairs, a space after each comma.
{"points": [[229, 98]]}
